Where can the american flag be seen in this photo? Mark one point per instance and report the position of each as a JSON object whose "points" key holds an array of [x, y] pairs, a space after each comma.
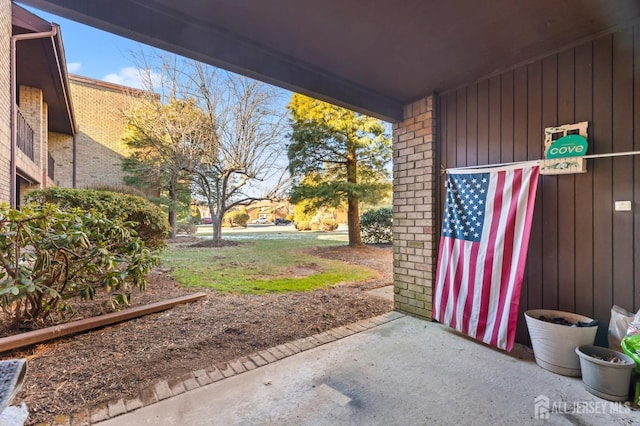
{"points": [[483, 248]]}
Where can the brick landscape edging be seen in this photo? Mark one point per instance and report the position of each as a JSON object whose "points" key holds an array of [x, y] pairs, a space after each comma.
{"points": [[176, 386]]}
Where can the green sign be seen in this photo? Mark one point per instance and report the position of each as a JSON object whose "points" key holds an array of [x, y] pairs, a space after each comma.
{"points": [[568, 146]]}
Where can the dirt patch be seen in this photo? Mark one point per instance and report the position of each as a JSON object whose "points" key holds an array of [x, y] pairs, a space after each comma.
{"points": [[303, 271], [215, 244], [183, 240], [70, 374], [376, 257], [195, 242]]}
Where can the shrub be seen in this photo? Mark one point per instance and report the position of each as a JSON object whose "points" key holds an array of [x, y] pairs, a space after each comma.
{"points": [[49, 255], [194, 216], [236, 218], [303, 211], [186, 228], [122, 189], [150, 223], [303, 226], [329, 225], [375, 226]]}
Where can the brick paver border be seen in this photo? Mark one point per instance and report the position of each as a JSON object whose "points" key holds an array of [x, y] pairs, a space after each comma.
{"points": [[168, 388]]}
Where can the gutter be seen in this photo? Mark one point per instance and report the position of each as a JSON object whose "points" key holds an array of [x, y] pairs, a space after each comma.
{"points": [[63, 76], [14, 108], [74, 159]]}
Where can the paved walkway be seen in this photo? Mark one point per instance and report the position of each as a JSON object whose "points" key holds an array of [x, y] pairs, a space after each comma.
{"points": [[385, 292], [403, 372]]}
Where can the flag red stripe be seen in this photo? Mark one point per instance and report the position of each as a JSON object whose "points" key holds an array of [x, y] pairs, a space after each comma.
{"points": [[488, 256], [445, 244], [457, 281], [507, 252], [468, 305], [522, 255]]}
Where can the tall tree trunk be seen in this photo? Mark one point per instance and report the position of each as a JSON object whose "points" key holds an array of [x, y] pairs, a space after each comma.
{"points": [[353, 212], [173, 205]]}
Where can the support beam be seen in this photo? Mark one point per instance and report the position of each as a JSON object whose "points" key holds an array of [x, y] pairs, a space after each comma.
{"points": [[149, 23]]}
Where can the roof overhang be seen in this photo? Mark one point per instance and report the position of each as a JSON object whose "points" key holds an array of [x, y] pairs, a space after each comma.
{"points": [[40, 63], [373, 56]]}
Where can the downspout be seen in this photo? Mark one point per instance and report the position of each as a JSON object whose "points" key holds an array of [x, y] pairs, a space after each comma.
{"points": [[74, 159], [14, 108]]}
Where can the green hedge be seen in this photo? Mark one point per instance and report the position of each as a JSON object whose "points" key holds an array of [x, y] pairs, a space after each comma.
{"points": [[186, 228], [375, 226], [150, 222]]}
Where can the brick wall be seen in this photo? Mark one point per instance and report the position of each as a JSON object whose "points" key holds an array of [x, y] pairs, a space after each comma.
{"points": [[414, 204], [5, 100], [99, 110], [61, 149], [33, 110]]}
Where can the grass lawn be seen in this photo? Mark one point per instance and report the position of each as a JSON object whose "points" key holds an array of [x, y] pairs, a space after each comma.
{"points": [[260, 266]]}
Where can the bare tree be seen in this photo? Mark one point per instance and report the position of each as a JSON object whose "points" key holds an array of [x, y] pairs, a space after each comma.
{"points": [[243, 166], [161, 138], [222, 131]]}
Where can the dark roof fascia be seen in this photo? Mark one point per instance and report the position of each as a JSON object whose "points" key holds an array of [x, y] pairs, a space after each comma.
{"points": [[61, 66]]}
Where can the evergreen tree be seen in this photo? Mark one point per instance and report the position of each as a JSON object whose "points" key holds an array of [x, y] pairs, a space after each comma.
{"points": [[344, 152]]}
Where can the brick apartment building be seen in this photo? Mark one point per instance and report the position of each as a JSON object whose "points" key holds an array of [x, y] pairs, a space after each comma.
{"points": [[35, 101], [99, 111], [68, 129]]}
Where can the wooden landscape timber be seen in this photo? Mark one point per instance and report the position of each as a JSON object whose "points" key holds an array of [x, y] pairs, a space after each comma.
{"points": [[49, 333]]}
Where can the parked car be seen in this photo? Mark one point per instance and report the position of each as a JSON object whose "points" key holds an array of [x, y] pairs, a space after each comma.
{"points": [[280, 221], [206, 221], [261, 221]]}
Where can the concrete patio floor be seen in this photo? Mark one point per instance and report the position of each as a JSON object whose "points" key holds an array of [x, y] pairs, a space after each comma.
{"points": [[404, 372]]}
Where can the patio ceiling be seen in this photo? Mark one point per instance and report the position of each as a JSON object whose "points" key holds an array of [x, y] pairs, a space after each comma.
{"points": [[373, 56]]}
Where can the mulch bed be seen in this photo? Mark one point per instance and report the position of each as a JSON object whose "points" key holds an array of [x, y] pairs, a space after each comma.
{"points": [[73, 373]]}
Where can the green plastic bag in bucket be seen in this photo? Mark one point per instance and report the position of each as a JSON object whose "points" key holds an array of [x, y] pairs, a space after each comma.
{"points": [[631, 346]]}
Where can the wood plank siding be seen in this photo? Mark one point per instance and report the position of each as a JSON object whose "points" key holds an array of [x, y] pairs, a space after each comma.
{"points": [[583, 256]]}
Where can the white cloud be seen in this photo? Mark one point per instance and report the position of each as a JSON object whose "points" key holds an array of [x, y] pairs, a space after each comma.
{"points": [[131, 77], [74, 66]]}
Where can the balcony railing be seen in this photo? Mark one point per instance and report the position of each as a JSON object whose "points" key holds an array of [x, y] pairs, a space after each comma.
{"points": [[51, 165], [25, 136]]}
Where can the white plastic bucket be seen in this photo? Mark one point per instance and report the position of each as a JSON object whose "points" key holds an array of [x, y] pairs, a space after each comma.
{"points": [[554, 344]]}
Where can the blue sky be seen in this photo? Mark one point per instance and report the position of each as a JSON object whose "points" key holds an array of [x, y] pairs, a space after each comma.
{"points": [[94, 53]]}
